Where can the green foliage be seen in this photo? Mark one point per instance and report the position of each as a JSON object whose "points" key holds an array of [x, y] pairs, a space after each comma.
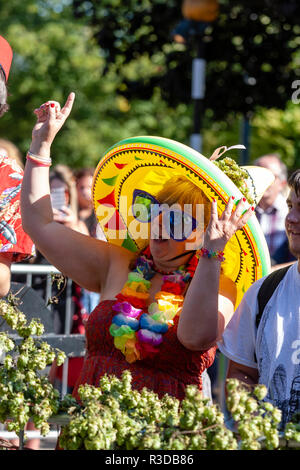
{"points": [[24, 392], [115, 416], [292, 431], [278, 131], [55, 54], [236, 174], [272, 131], [130, 78], [253, 59], [250, 50]]}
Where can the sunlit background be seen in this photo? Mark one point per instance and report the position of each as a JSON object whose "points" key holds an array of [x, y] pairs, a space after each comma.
{"points": [[132, 76]]}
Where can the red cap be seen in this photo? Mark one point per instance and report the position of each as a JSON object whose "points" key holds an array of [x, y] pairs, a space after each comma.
{"points": [[6, 55]]}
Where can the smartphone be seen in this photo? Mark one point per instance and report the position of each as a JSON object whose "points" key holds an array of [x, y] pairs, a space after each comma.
{"points": [[58, 198]]}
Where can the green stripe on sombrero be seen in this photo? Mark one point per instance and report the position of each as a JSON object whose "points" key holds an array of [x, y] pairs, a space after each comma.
{"points": [[261, 244], [129, 244], [110, 181]]}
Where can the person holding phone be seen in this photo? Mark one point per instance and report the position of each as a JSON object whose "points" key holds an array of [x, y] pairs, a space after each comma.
{"points": [[64, 198]]}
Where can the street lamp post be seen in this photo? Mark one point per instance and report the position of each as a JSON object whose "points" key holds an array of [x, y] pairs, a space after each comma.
{"points": [[198, 14], [198, 94], [245, 138]]}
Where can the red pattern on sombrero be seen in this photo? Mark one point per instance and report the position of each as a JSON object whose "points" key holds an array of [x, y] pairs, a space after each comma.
{"points": [[169, 371]]}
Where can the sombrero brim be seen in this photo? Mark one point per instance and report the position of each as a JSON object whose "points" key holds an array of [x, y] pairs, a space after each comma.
{"points": [[146, 163]]}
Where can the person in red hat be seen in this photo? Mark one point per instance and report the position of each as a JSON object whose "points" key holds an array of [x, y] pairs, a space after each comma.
{"points": [[15, 245]]}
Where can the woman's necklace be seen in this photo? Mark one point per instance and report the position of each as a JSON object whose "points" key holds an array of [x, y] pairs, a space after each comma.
{"points": [[138, 334], [159, 271]]}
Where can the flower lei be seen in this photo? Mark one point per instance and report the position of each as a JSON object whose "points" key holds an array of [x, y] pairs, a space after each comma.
{"points": [[138, 334]]}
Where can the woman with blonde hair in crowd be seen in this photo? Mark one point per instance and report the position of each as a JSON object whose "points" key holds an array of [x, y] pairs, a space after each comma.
{"points": [[10, 150]]}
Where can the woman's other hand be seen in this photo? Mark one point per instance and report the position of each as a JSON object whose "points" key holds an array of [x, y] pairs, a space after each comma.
{"points": [[50, 119], [221, 229]]}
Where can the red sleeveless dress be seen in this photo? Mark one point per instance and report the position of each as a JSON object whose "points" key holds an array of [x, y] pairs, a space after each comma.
{"points": [[169, 371]]}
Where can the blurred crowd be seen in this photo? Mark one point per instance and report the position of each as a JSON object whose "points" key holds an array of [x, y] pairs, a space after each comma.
{"points": [[272, 209]]}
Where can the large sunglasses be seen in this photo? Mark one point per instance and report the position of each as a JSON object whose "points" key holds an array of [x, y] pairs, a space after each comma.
{"points": [[178, 224]]}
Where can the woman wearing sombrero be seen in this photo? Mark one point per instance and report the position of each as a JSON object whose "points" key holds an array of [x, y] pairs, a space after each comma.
{"points": [[182, 251]]}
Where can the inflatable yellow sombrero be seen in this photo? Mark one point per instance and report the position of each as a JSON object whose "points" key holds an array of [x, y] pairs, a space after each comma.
{"points": [[147, 163]]}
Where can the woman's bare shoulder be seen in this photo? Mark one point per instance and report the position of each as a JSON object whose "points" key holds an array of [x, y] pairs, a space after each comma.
{"points": [[119, 259], [119, 265], [118, 252]]}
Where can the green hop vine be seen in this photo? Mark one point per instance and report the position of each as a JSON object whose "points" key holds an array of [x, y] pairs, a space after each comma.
{"points": [[257, 420], [292, 429], [25, 393], [237, 175], [115, 416]]}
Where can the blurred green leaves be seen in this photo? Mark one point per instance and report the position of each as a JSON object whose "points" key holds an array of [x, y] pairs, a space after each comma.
{"points": [[131, 79], [54, 53]]}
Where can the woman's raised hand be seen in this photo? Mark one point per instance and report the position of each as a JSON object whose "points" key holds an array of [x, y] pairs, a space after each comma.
{"points": [[50, 119], [221, 229]]}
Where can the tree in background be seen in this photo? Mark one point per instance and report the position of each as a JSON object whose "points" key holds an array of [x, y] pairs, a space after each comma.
{"points": [[54, 53], [130, 78], [251, 51]]}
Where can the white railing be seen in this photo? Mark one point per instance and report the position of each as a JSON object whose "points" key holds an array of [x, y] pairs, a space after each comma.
{"points": [[48, 270]]}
